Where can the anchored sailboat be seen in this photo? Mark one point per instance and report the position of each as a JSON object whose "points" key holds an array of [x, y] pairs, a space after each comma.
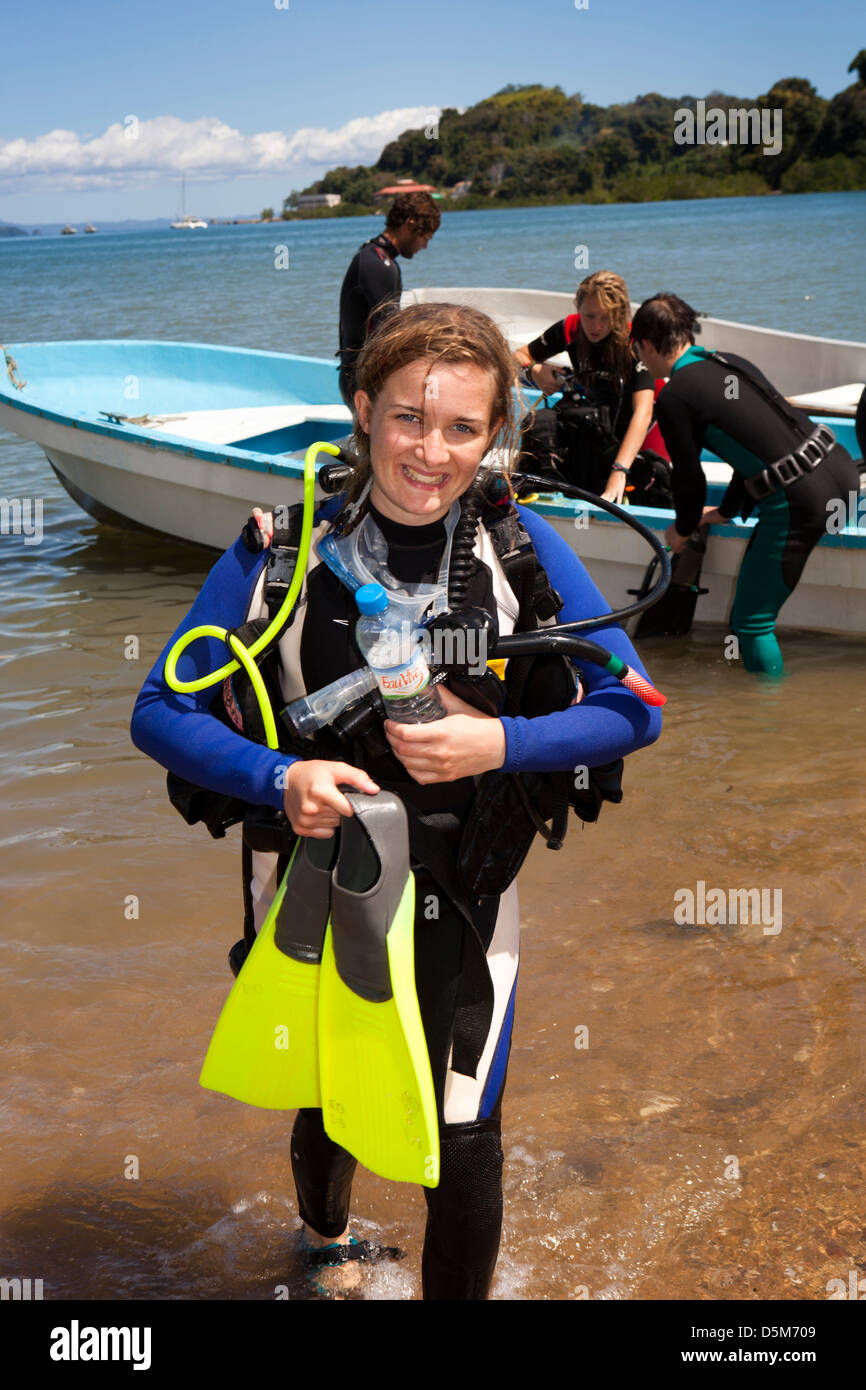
{"points": [[186, 221]]}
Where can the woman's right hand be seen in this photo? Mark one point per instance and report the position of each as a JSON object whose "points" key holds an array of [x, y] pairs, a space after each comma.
{"points": [[546, 378], [312, 801]]}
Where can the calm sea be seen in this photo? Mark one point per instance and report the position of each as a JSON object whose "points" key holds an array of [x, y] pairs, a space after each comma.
{"points": [[684, 1114]]}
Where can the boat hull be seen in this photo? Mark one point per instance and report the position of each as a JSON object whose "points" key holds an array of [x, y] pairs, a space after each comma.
{"points": [[223, 430]]}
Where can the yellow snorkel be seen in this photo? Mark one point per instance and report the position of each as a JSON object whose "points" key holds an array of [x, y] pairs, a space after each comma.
{"points": [[246, 656]]}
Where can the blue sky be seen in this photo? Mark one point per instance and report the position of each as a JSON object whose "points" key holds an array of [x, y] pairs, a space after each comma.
{"points": [[252, 98]]}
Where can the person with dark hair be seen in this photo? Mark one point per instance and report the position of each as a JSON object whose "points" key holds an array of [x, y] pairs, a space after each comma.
{"points": [[373, 280], [783, 465]]}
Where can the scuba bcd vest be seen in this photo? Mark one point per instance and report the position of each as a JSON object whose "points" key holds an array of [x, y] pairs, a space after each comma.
{"points": [[500, 815]]}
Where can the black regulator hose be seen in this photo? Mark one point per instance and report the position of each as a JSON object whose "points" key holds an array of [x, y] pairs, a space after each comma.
{"points": [[560, 639], [619, 615]]}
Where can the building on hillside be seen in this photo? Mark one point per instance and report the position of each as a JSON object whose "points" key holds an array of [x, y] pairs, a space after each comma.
{"points": [[408, 186], [460, 188], [318, 200]]}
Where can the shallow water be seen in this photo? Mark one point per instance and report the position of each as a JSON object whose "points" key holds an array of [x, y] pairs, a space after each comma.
{"points": [[707, 1142]]}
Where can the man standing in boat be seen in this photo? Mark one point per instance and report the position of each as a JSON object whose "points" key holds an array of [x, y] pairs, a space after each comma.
{"points": [[373, 279], [781, 463]]}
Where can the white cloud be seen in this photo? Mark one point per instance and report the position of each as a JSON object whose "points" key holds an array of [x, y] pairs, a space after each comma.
{"points": [[133, 153]]}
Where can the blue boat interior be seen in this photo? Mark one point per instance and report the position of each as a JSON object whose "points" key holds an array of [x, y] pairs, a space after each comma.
{"points": [[134, 377], [294, 438]]}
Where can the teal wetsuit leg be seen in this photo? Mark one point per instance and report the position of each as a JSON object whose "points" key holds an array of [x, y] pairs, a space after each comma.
{"points": [[761, 589], [790, 525]]}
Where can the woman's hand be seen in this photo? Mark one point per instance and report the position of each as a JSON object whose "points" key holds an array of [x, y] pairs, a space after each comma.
{"points": [[674, 541], [711, 516], [615, 489], [265, 522], [311, 799], [465, 743], [522, 356], [545, 378]]}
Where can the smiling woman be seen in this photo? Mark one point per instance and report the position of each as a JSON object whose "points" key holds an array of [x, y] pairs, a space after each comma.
{"points": [[433, 416], [434, 396]]}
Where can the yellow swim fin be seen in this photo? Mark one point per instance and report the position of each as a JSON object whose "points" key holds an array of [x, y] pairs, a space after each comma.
{"points": [[376, 1084], [264, 1047]]}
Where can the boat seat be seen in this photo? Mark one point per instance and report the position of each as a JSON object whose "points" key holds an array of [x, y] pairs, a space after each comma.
{"points": [[837, 400], [245, 422]]}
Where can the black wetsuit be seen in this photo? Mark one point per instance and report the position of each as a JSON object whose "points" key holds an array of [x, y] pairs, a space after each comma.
{"points": [[715, 405], [590, 452], [465, 1209], [373, 279]]}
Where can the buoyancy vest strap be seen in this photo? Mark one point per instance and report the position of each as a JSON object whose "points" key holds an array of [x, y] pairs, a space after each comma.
{"points": [[538, 601], [773, 398]]}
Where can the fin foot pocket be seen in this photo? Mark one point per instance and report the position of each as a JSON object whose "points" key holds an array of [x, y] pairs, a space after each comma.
{"points": [[378, 1100]]}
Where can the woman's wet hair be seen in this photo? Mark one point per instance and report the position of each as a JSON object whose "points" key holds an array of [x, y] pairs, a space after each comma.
{"points": [[611, 292], [666, 321], [435, 333]]}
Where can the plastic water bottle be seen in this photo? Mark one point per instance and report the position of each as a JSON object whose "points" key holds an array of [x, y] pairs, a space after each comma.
{"points": [[397, 659]]}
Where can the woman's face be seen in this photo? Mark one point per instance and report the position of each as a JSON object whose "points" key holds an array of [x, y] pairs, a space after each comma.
{"points": [[429, 428], [594, 321]]}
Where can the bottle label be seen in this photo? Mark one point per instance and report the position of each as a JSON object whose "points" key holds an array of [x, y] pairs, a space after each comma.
{"points": [[402, 681]]}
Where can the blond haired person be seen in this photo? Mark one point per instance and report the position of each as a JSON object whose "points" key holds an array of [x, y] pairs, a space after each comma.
{"points": [[596, 340]]}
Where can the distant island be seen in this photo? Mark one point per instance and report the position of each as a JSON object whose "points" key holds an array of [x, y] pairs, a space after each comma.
{"points": [[9, 229], [529, 145]]}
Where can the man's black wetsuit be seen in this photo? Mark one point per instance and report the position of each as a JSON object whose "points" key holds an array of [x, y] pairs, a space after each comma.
{"points": [[373, 279], [713, 404], [590, 456]]}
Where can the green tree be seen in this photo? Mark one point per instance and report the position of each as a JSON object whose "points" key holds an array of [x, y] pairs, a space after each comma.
{"points": [[858, 65]]}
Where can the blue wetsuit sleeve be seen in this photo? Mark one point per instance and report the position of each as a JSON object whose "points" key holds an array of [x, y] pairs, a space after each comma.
{"points": [[610, 721], [179, 731]]}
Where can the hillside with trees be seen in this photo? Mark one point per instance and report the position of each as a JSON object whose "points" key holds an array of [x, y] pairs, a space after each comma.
{"points": [[533, 144]]}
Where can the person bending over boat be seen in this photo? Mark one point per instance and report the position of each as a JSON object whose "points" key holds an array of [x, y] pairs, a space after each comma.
{"points": [[783, 465], [435, 393], [373, 279], [596, 455]]}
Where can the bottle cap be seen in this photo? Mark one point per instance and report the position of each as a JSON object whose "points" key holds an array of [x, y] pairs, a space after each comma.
{"points": [[371, 598]]}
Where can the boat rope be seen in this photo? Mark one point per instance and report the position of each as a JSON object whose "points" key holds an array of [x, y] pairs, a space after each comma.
{"points": [[113, 418], [12, 369]]}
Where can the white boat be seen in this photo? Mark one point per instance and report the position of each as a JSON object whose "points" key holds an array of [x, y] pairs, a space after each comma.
{"points": [[186, 222], [183, 439]]}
